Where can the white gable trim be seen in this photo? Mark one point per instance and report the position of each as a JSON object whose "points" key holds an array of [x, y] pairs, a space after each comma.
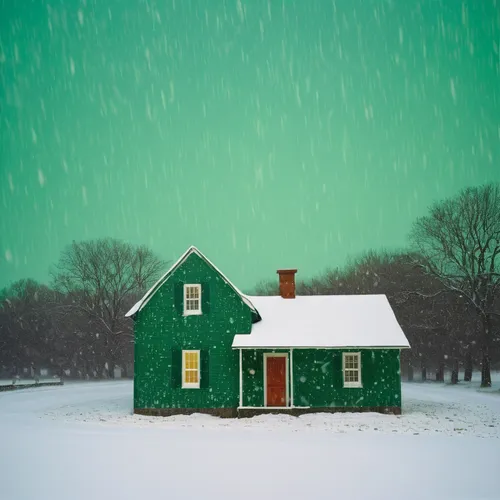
{"points": [[192, 249]]}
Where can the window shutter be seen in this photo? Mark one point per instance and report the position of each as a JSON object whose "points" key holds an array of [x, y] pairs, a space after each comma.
{"points": [[205, 298], [205, 369], [176, 374], [179, 297]]}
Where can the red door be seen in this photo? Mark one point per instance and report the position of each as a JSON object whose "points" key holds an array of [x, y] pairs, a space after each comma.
{"points": [[276, 380]]}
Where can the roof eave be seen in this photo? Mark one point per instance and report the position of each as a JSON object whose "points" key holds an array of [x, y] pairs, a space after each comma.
{"points": [[321, 347]]}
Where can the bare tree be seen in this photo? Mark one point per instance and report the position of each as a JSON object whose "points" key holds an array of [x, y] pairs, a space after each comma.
{"points": [[460, 244], [26, 332], [267, 288], [438, 323], [102, 278]]}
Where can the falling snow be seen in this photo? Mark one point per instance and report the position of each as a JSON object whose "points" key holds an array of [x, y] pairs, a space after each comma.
{"points": [[41, 178], [322, 129], [453, 90]]}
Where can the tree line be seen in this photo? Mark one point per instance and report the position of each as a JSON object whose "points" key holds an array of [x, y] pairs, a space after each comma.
{"points": [[77, 324], [444, 289]]}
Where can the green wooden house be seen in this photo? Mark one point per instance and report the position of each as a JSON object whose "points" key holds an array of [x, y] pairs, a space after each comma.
{"points": [[202, 346]]}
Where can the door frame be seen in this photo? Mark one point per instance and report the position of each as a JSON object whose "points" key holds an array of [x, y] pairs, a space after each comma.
{"points": [[287, 377]]}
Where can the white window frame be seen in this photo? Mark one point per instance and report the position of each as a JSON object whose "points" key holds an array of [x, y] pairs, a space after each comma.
{"points": [[192, 312], [190, 385], [351, 384]]}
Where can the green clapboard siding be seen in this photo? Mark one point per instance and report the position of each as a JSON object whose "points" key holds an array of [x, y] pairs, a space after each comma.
{"points": [[162, 332], [318, 379]]}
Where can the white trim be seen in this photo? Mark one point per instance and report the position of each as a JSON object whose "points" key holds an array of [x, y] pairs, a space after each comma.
{"points": [[191, 385], [291, 377], [192, 312], [359, 383], [192, 249], [276, 355], [338, 348], [241, 377]]}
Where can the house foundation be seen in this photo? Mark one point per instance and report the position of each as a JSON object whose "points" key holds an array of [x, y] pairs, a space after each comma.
{"points": [[252, 412]]}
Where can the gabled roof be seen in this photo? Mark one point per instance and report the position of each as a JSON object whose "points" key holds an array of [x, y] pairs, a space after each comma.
{"points": [[330, 321], [192, 249]]}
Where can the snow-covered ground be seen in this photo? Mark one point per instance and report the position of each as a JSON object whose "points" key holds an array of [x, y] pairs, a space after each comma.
{"points": [[81, 441]]}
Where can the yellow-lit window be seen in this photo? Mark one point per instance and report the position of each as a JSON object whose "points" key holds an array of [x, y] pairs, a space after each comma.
{"points": [[352, 369], [192, 299], [191, 369]]}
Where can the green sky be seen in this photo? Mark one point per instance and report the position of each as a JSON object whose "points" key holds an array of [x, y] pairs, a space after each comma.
{"points": [[267, 133]]}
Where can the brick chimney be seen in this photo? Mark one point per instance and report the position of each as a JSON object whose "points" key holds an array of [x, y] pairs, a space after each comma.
{"points": [[287, 283]]}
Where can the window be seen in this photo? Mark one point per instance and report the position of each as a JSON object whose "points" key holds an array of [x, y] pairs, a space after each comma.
{"points": [[190, 369], [192, 299], [352, 369]]}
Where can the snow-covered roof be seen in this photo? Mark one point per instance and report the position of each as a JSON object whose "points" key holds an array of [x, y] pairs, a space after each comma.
{"points": [[324, 321], [192, 249]]}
